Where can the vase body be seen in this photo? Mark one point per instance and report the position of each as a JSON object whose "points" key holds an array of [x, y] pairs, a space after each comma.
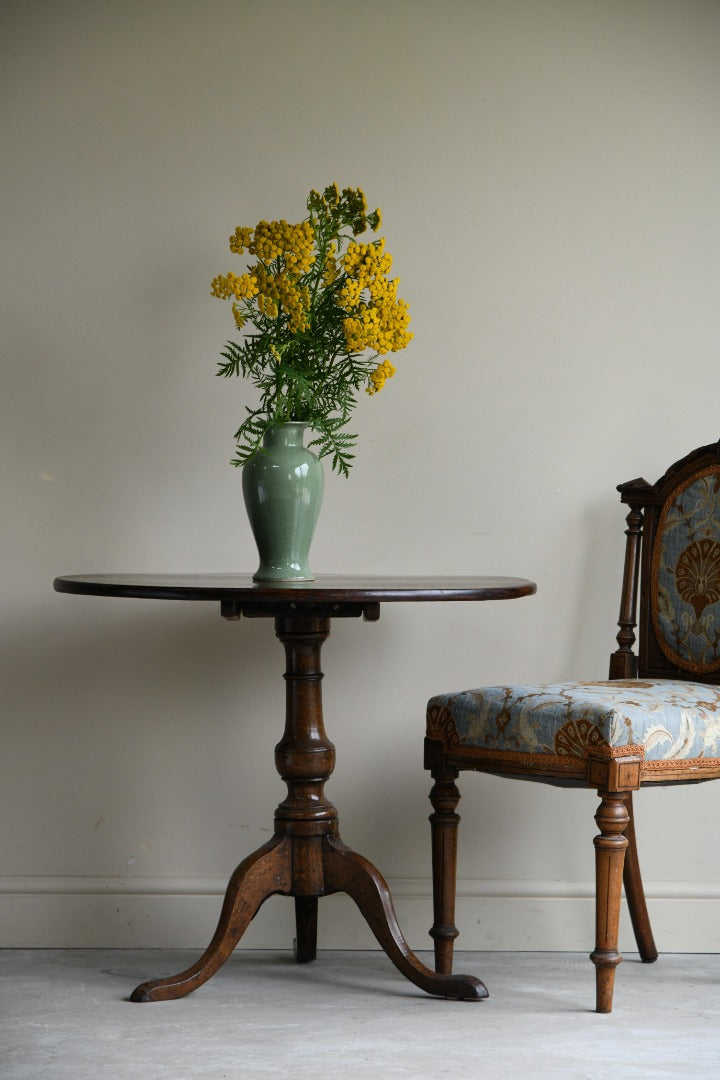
{"points": [[282, 488]]}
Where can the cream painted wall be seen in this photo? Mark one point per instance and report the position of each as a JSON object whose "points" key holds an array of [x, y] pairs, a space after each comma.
{"points": [[548, 172]]}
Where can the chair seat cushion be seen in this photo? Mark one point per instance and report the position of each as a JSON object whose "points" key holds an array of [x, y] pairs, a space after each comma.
{"points": [[670, 719]]}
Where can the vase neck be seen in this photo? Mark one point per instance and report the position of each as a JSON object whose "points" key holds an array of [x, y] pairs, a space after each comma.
{"points": [[288, 434]]}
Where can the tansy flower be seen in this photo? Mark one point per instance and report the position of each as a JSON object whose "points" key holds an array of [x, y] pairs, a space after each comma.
{"points": [[243, 287], [323, 315], [240, 240], [379, 376]]}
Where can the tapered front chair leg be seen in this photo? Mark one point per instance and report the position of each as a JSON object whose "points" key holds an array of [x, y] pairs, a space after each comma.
{"points": [[444, 828], [612, 820]]}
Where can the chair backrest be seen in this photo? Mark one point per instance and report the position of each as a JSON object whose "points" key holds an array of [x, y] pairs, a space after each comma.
{"points": [[671, 586]]}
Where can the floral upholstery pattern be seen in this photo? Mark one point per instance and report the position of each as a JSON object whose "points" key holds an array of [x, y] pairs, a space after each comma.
{"points": [[668, 719], [686, 575]]}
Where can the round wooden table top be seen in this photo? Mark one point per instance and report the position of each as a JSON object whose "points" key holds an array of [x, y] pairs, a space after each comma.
{"points": [[324, 589]]}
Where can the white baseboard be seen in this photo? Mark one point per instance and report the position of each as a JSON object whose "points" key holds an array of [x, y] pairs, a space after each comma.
{"points": [[93, 912]]}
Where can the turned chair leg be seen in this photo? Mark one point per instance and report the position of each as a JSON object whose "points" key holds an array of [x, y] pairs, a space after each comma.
{"points": [[612, 819], [635, 894], [444, 826]]}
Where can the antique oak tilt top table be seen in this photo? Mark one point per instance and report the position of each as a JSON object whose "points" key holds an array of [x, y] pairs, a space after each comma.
{"points": [[305, 858]]}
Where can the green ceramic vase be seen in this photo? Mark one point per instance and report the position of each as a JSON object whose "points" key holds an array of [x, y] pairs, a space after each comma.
{"points": [[283, 487]]}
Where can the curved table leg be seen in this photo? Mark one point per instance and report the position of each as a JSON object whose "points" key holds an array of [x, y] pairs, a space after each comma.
{"points": [[263, 873], [346, 871]]}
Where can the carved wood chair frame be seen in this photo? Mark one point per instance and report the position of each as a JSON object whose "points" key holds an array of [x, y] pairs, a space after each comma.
{"points": [[614, 772]]}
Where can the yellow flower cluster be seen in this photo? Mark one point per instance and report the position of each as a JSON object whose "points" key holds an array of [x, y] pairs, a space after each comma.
{"points": [[278, 239], [280, 290], [394, 317], [240, 240], [381, 324], [379, 376], [274, 289], [383, 329], [366, 262], [361, 331], [331, 267], [242, 288]]}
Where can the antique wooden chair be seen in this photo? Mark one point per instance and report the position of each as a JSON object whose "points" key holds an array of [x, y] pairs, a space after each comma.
{"points": [[656, 721]]}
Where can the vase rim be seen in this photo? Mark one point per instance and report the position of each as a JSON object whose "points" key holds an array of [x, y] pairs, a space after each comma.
{"points": [[289, 431]]}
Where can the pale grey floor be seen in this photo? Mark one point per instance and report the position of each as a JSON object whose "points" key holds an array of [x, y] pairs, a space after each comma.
{"points": [[64, 1016]]}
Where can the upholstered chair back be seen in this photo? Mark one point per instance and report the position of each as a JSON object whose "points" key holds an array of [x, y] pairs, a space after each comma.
{"points": [[677, 523]]}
